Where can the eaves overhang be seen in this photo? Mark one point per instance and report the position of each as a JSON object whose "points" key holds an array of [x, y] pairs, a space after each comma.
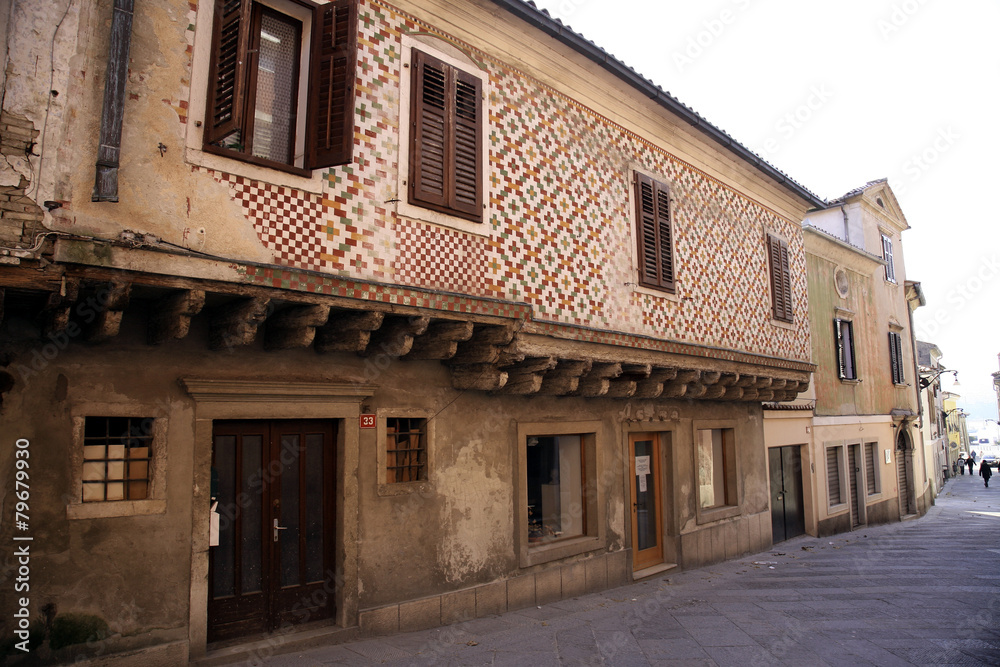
{"points": [[556, 29]]}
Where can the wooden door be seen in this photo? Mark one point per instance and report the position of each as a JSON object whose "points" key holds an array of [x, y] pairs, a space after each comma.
{"points": [[274, 562], [647, 519]]}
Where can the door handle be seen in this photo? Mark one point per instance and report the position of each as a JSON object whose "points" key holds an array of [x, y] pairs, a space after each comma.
{"points": [[277, 528], [780, 496]]}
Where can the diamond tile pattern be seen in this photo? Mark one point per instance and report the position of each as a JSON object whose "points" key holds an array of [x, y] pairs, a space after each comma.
{"points": [[559, 234]]}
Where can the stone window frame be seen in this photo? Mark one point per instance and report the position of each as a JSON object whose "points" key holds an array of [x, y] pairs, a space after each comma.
{"points": [[710, 514], [594, 436], [842, 477], [156, 501]]}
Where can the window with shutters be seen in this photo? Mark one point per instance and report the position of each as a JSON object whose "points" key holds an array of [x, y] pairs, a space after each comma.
{"points": [[281, 83], [846, 363], [445, 137], [896, 358], [781, 279], [834, 476], [873, 485], [890, 269], [654, 234]]}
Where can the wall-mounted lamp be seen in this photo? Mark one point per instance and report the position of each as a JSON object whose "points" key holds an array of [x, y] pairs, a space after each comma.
{"points": [[926, 380]]}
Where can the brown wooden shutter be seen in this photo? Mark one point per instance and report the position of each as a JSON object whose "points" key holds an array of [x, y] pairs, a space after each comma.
{"points": [[446, 170], [467, 166], [655, 236], [429, 131], [227, 74], [833, 476], [330, 119], [896, 357], [781, 279]]}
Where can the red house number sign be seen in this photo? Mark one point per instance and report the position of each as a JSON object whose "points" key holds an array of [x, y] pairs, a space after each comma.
{"points": [[367, 421]]}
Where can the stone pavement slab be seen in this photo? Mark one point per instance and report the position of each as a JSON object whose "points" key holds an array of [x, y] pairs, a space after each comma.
{"points": [[918, 592]]}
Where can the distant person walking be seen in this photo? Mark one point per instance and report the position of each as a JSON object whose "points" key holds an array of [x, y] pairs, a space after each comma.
{"points": [[969, 461], [985, 473]]}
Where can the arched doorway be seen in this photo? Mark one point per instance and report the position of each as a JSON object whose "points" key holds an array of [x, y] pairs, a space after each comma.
{"points": [[904, 472]]}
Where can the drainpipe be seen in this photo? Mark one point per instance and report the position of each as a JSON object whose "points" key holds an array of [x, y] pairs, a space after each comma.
{"points": [[847, 226], [109, 150]]}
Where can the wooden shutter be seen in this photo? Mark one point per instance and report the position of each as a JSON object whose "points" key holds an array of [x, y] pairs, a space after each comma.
{"points": [[781, 279], [655, 236], [838, 334], [833, 476], [445, 149], [870, 468], [330, 119], [467, 169], [227, 74], [896, 357], [890, 269]]}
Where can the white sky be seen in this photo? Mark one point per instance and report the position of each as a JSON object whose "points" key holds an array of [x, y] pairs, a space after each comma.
{"points": [[836, 94]]}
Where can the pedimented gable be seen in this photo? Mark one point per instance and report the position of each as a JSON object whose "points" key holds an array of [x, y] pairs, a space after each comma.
{"points": [[881, 198]]}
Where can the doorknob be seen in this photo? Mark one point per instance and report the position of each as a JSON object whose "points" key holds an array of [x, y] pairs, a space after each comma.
{"points": [[277, 528]]}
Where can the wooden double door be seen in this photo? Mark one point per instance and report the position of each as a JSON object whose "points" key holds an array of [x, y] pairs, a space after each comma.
{"points": [[274, 562]]}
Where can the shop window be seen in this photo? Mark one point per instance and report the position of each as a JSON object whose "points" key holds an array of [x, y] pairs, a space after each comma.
{"points": [[716, 468], [557, 503], [836, 492], [117, 452]]}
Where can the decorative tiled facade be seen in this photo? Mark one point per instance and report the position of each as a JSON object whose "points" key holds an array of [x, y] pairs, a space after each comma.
{"points": [[559, 235]]}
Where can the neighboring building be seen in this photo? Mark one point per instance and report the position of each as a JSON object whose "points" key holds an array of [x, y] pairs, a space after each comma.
{"points": [[931, 409], [954, 421], [448, 310], [996, 386], [865, 442]]}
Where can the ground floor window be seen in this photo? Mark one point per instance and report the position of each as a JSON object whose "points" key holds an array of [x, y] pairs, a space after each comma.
{"points": [[834, 480], [556, 485], [716, 449], [405, 450], [872, 482], [116, 458]]}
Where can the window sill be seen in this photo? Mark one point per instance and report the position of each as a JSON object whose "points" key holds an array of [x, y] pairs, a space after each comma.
{"points": [[557, 550], [658, 293], [422, 487], [782, 324], [834, 510], [854, 381], [110, 509], [710, 514], [224, 162]]}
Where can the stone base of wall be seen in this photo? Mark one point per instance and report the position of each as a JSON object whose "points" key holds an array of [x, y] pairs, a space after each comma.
{"points": [[883, 512], [839, 524], [725, 540], [552, 584]]}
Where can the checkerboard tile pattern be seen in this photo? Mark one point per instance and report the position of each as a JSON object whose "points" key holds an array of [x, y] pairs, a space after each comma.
{"points": [[440, 258], [560, 234], [286, 220]]}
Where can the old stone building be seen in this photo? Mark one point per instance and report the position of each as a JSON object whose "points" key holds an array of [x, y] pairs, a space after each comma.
{"points": [[440, 308]]}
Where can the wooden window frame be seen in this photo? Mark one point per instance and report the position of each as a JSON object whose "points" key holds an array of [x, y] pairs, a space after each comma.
{"points": [[654, 233], [896, 365], [594, 501], [332, 46], [453, 152], [847, 360], [394, 471], [779, 264], [137, 429], [887, 255], [730, 490]]}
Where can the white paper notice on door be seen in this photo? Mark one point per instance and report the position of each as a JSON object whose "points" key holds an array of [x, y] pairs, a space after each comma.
{"points": [[642, 484], [642, 465]]}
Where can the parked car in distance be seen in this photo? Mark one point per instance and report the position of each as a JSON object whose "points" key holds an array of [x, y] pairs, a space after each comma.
{"points": [[991, 459]]}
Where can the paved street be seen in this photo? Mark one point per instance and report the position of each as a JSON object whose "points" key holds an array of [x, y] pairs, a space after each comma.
{"points": [[923, 592]]}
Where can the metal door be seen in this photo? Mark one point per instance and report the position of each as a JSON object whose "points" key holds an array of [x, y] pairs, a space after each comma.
{"points": [[787, 511], [274, 561]]}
